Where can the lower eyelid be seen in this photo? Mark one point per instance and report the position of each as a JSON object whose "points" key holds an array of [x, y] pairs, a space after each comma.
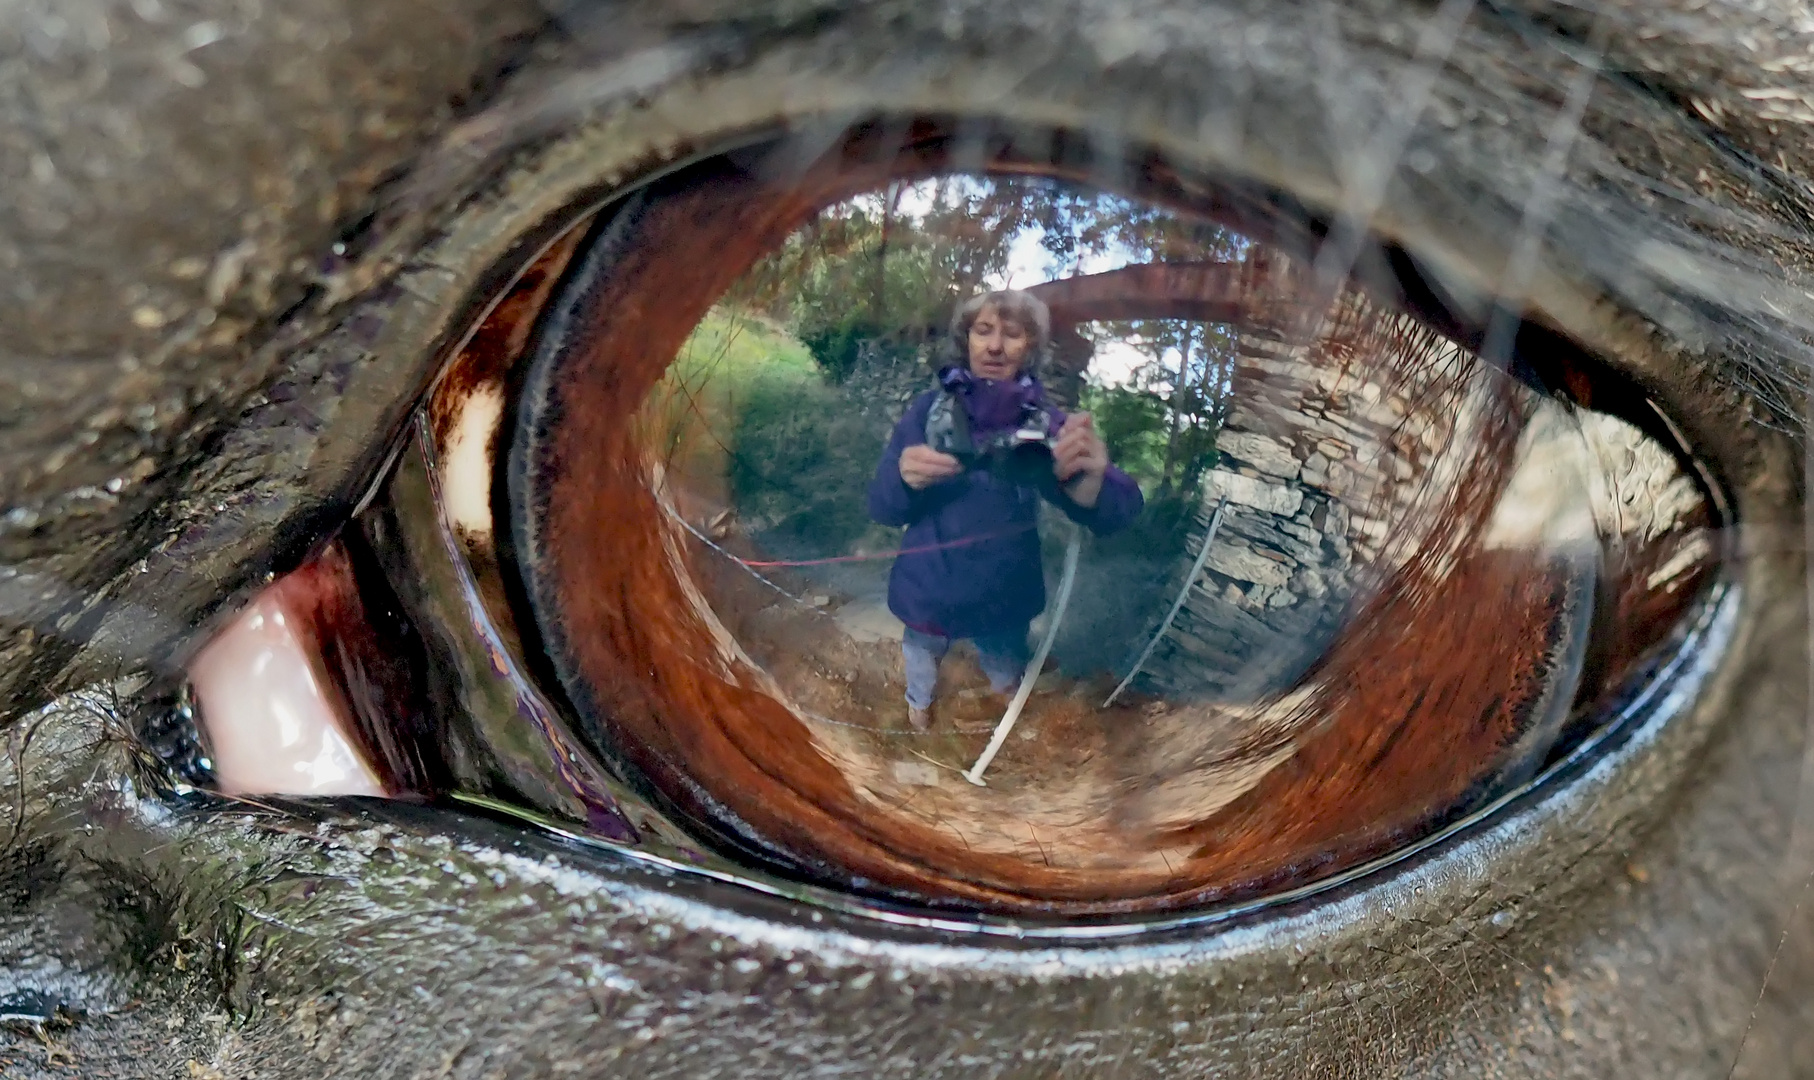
{"points": [[270, 723]]}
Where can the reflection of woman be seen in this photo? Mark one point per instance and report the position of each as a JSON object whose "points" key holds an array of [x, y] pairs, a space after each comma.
{"points": [[970, 565]]}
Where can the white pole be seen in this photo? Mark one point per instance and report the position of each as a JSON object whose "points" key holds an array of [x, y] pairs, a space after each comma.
{"points": [[975, 775], [1215, 522]]}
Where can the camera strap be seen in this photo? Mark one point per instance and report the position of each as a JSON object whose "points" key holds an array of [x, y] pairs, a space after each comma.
{"points": [[948, 427]]}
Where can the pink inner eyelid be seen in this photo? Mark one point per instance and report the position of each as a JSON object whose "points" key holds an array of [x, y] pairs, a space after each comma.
{"points": [[271, 725]]}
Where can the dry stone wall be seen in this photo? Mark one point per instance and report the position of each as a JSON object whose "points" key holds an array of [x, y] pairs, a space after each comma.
{"points": [[1331, 456], [882, 382]]}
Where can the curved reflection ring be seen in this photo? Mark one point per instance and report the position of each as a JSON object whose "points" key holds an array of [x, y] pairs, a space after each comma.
{"points": [[652, 689]]}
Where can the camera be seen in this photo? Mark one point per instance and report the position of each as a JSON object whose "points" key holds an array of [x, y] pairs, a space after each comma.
{"points": [[1021, 454]]}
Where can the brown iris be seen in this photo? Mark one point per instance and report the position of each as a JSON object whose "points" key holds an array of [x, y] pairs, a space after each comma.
{"points": [[1377, 579]]}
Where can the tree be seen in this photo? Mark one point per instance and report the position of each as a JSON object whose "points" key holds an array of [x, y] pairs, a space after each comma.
{"points": [[879, 274], [871, 282]]}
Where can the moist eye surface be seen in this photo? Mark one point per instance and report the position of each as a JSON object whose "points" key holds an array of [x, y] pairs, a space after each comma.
{"points": [[983, 522]]}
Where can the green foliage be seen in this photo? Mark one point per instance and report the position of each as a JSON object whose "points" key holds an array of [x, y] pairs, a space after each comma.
{"points": [[801, 464], [1161, 425], [729, 350], [745, 404], [873, 281], [1132, 423], [1080, 226], [841, 346], [1136, 426], [870, 285]]}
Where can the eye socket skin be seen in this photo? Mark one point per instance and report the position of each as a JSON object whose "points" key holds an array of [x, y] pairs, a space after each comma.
{"points": [[1383, 978]]}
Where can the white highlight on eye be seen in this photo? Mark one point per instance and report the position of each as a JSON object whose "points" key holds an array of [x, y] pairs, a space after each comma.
{"points": [[1547, 506], [467, 467], [271, 727]]}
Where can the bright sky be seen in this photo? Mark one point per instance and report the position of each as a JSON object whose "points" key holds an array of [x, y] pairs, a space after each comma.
{"points": [[1115, 361], [1027, 262]]}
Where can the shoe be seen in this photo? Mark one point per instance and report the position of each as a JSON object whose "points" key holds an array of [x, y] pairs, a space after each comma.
{"points": [[921, 719]]}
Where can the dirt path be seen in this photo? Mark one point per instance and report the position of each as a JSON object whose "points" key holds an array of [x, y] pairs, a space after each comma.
{"points": [[1071, 788]]}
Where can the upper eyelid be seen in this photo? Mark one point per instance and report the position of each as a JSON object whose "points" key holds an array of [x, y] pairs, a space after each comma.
{"points": [[490, 248]]}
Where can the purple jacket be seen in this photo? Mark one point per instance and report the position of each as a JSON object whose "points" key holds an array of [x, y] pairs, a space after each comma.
{"points": [[995, 581]]}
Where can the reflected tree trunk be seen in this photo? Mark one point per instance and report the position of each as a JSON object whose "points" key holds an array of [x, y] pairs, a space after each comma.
{"points": [[878, 297]]}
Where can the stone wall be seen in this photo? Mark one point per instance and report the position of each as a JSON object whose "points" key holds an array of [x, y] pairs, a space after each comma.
{"points": [[1334, 451], [881, 383], [1332, 454]]}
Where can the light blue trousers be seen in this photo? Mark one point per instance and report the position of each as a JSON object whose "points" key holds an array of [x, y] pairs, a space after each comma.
{"points": [[1003, 655]]}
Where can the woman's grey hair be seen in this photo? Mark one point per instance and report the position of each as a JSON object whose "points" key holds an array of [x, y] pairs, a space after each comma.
{"points": [[1015, 305]]}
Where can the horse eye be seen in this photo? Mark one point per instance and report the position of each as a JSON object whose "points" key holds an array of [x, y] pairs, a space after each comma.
{"points": [[1278, 554]]}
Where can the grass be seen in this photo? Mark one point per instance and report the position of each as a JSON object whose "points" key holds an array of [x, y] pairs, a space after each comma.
{"points": [[731, 350], [745, 416]]}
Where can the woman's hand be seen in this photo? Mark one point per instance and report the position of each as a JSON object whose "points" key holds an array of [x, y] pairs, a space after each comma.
{"points": [[922, 466], [1079, 459]]}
